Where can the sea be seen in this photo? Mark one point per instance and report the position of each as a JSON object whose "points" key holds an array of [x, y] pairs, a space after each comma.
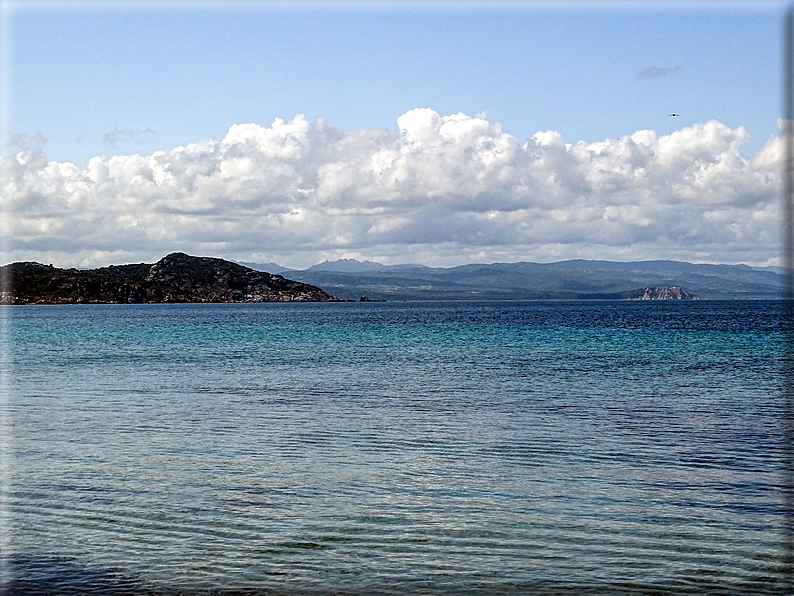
{"points": [[394, 448]]}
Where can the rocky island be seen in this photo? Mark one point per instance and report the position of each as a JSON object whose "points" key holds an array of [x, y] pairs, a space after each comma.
{"points": [[175, 278], [660, 293]]}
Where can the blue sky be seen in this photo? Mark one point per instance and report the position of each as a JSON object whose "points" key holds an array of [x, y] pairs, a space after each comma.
{"points": [[178, 76], [112, 80]]}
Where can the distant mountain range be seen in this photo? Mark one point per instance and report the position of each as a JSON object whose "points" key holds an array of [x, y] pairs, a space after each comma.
{"points": [[576, 279], [182, 278]]}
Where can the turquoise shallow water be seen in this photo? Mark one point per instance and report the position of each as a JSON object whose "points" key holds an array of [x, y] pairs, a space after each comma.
{"points": [[394, 448]]}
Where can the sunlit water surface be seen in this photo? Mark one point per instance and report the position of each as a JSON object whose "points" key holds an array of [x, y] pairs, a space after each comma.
{"points": [[394, 448]]}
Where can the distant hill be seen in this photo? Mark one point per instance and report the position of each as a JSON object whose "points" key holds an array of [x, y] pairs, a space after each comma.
{"points": [[338, 266], [349, 266], [175, 278], [266, 267], [575, 279]]}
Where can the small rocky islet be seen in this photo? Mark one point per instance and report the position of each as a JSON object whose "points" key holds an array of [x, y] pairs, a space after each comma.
{"points": [[659, 293]]}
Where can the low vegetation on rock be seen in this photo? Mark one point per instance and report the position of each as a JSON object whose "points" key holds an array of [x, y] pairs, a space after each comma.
{"points": [[175, 278]]}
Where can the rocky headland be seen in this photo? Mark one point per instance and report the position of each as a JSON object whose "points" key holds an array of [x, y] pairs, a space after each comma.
{"points": [[175, 278]]}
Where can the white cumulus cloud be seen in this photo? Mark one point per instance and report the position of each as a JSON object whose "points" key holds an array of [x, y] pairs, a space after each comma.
{"points": [[436, 189]]}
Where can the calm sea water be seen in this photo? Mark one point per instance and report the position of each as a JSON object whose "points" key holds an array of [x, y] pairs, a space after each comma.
{"points": [[394, 448]]}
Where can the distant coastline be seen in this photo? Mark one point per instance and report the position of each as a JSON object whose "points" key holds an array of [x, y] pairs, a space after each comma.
{"points": [[564, 280], [183, 278]]}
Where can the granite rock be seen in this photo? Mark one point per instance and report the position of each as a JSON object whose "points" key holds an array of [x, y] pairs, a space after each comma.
{"points": [[175, 278]]}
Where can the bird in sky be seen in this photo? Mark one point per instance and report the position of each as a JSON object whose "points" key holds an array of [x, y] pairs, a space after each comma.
{"points": [[674, 114]]}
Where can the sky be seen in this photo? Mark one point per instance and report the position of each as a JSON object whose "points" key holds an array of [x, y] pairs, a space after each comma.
{"points": [[439, 133]]}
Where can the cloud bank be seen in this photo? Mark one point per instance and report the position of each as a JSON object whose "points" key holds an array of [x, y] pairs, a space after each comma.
{"points": [[439, 190]]}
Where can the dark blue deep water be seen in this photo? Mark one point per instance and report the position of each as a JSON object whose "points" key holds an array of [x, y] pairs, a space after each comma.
{"points": [[393, 448]]}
